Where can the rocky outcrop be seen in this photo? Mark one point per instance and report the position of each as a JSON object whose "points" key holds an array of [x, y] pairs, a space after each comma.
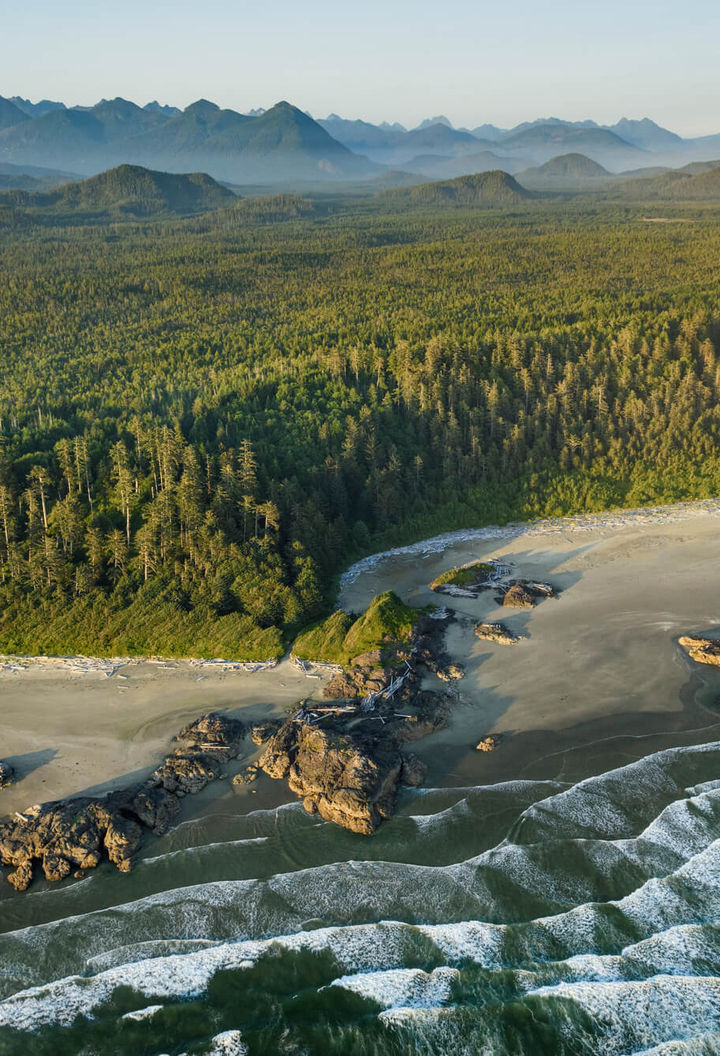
{"points": [[344, 761], [7, 775], [469, 581], [518, 597], [75, 835], [451, 673], [216, 734], [524, 593], [413, 771], [246, 776], [496, 632], [347, 777], [263, 731], [358, 680], [487, 744], [60, 836], [702, 650]]}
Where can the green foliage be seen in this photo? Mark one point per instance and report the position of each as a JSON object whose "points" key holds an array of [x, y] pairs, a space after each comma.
{"points": [[338, 638], [462, 577], [325, 641], [126, 191], [494, 188], [201, 424]]}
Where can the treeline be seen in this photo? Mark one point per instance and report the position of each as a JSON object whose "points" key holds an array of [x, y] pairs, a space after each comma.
{"points": [[197, 429]]}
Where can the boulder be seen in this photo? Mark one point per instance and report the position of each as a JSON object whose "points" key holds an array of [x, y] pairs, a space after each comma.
{"points": [[487, 744], [214, 734], [451, 673], [123, 837], [21, 877], [263, 731], [413, 771], [155, 807], [348, 777], [518, 597], [246, 776], [496, 632], [55, 867], [187, 771], [702, 650], [7, 775]]}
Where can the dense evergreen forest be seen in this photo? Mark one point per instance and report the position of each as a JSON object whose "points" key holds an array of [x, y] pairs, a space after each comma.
{"points": [[202, 421]]}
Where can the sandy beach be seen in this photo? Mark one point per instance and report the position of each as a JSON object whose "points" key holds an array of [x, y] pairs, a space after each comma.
{"points": [[598, 678]]}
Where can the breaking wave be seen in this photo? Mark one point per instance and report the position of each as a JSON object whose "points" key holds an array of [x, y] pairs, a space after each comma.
{"points": [[561, 919]]}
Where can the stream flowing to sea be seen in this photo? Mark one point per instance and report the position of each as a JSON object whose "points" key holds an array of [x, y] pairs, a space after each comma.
{"points": [[569, 907]]}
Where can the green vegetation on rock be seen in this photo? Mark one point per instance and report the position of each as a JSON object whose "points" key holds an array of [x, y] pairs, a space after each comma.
{"points": [[462, 577], [338, 639]]}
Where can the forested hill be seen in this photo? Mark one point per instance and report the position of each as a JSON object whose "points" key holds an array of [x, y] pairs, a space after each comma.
{"points": [[677, 186], [495, 188], [200, 426], [126, 191]]}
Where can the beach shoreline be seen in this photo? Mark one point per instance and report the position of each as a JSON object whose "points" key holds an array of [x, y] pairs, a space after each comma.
{"points": [[599, 668]]}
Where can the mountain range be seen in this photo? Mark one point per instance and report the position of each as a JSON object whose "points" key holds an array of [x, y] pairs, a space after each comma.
{"points": [[284, 146]]}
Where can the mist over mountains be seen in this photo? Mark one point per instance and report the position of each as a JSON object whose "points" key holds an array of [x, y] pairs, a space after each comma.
{"points": [[284, 145]]}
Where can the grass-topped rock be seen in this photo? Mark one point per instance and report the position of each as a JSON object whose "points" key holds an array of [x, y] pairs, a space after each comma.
{"points": [[466, 578], [387, 622]]}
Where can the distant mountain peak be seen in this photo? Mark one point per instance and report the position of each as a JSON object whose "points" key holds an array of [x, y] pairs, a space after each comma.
{"points": [[160, 108], [430, 121], [201, 107]]}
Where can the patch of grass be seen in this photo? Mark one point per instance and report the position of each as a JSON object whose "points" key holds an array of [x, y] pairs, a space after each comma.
{"points": [[324, 641], [463, 577], [338, 639]]}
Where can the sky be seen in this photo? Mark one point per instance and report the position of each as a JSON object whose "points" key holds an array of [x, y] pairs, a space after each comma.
{"points": [[399, 60]]}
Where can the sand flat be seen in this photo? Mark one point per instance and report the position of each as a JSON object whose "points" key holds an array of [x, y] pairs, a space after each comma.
{"points": [[599, 668], [70, 733]]}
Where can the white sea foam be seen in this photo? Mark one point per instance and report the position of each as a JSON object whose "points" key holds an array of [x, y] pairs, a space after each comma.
{"points": [[639, 1014], [403, 987], [229, 1043], [701, 1045], [658, 909], [143, 1013]]}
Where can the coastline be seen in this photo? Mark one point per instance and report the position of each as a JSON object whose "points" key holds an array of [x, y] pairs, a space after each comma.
{"points": [[598, 678]]}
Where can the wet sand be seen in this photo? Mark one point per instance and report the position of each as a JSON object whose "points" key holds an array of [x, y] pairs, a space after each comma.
{"points": [[598, 680], [87, 732]]}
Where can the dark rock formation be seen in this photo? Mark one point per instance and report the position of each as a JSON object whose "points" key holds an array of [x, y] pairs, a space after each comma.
{"points": [[357, 681], [523, 593], [413, 771], [185, 772], [215, 734], [246, 776], [518, 597], [347, 777], [7, 775], [263, 731], [155, 808], [75, 835], [496, 632], [344, 761]]}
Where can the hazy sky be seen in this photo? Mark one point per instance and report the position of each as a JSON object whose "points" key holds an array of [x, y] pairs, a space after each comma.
{"points": [[473, 60]]}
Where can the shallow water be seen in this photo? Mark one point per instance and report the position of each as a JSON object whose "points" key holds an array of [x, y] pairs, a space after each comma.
{"points": [[560, 896]]}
